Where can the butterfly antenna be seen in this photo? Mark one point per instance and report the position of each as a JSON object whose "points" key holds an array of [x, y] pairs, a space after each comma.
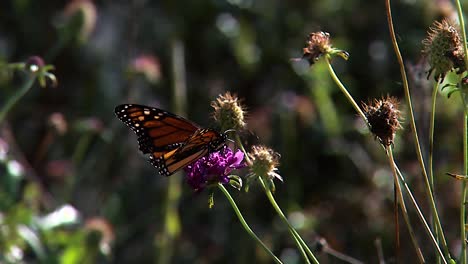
{"points": [[230, 130]]}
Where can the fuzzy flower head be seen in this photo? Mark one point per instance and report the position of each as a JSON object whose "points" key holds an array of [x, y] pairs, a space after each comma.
{"points": [[382, 116], [444, 49], [317, 45], [264, 163], [229, 112], [214, 168]]}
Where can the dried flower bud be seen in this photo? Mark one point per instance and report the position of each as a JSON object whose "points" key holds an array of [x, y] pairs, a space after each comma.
{"points": [[229, 112], [317, 45], [443, 47], [264, 162], [382, 116]]}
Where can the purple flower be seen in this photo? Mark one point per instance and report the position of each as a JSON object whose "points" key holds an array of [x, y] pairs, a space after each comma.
{"points": [[214, 168]]}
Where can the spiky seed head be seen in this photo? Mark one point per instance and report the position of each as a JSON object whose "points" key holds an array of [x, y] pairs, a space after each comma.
{"points": [[229, 112], [264, 162], [444, 49], [382, 116]]}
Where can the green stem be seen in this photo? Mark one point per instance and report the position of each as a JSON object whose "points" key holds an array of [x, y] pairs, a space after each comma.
{"points": [[431, 155], [464, 190], [245, 225], [301, 245], [431, 136], [344, 90], [401, 201], [465, 144], [413, 127], [17, 96], [421, 216]]}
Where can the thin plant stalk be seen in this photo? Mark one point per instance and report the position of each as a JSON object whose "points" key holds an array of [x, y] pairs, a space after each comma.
{"points": [[465, 144], [464, 190], [11, 102], [298, 239], [400, 200], [431, 153], [358, 109], [421, 216], [344, 90], [413, 128], [431, 136], [245, 225], [397, 221]]}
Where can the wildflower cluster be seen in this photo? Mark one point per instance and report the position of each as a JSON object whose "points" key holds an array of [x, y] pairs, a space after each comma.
{"points": [[214, 168]]}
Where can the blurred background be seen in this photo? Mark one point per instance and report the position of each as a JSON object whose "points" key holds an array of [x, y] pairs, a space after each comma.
{"points": [[74, 187]]}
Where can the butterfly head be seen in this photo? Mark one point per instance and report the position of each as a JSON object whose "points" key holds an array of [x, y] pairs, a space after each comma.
{"points": [[218, 142]]}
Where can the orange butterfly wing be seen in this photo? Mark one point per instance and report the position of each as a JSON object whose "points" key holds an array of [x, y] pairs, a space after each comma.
{"points": [[158, 131], [172, 141], [202, 142]]}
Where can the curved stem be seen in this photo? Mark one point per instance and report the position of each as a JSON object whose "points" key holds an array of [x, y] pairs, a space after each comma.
{"points": [[344, 90], [17, 96], [301, 244], [413, 127], [245, 225]]}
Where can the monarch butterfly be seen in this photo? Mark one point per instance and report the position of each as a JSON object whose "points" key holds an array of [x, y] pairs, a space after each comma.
{"points": [[171, 141]]}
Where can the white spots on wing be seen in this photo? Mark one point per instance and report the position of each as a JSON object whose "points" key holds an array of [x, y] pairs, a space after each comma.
{"points": [[137, 125], [161, 114], [146, 111], [156, 117], [141, 118]]}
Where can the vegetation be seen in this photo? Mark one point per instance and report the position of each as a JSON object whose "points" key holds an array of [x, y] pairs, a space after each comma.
{"points": [[347, 127]]}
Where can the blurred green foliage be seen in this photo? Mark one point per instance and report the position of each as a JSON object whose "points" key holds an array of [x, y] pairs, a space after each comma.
{"points": [[75, 189]]}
